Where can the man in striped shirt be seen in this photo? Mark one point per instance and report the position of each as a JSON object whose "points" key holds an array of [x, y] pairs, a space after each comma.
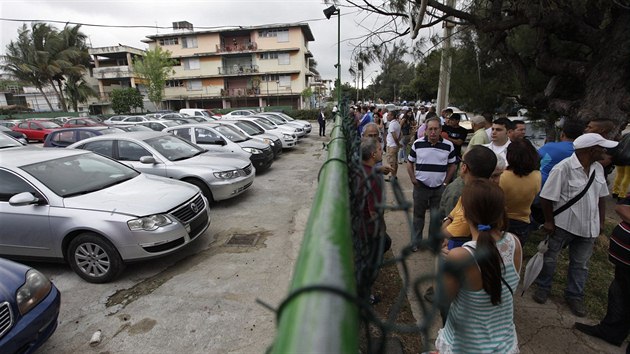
{"points": [[431, 166]]}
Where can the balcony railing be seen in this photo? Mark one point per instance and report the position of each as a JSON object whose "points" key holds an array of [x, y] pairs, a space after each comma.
{"points": [[237, 47], [240, 92], [238, 69]]}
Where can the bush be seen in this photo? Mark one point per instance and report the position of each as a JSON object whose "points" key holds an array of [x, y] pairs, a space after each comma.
{"points": [[308, 114]]}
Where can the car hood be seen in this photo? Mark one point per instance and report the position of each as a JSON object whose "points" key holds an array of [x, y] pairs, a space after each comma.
{"points": [[140, 196], [12, 276], [219, 161]]}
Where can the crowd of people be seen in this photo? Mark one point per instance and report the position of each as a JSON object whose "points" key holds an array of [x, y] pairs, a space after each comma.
{"points": [[490, 194]]}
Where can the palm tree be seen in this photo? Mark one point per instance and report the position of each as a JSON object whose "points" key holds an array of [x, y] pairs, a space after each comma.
{"points": [[78, 91]]}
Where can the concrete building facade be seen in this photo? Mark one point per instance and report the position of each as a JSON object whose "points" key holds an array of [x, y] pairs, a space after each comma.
{"points": [[255, 66]]}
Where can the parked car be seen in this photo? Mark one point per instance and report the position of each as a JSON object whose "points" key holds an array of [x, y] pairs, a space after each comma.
{"points": [[29, 308], [289, 139], [278, 120], [239, 113], [306, 125], [8, 142], [91, 211], [82, 122], [179, 116], [21, 137], [159, 125], [67, 136], [134, 128], [9, 123], [278, 123], [262, 154], [465, 120], [115, 120], [250, 130], [36, 129], [218, 177], [200, 112], [208, 138]]}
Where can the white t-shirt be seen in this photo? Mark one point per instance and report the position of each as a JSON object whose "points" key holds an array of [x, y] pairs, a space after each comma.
{"points": [[394, 127], [499, 150]]}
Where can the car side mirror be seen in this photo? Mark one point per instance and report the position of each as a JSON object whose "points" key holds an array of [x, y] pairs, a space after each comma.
{"points": [[147, 160], [22, 199]]}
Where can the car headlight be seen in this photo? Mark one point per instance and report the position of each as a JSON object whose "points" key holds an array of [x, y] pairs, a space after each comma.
{"points": [[149, 223], [287, 136], [268, 141], [252, 150], [34, 290], [226, 174]]}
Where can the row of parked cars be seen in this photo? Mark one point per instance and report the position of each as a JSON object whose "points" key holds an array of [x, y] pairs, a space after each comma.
{"points": [[115, 194]]}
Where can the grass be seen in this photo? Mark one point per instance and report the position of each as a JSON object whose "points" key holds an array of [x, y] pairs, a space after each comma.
{"points": [[600, 272]]}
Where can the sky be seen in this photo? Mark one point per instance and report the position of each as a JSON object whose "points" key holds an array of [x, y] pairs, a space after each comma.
{"points": [[208, 13]]}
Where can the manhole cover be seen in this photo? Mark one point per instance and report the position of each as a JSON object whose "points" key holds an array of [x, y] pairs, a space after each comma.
{"points": [[243, 239]]}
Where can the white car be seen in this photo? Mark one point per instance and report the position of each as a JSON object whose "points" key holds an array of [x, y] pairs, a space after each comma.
{"points": [[286, 135], [250, 130], [208, 138], [238, 113], [280, 123], [288, 119], [128, 119]]}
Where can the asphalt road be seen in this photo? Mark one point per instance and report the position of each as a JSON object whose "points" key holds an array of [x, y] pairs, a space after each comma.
{"points": [[202, 299]]}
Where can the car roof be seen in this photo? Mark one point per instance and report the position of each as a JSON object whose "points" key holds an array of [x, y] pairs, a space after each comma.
{"points": [[29, 155], [128, 135], [99, 127]]}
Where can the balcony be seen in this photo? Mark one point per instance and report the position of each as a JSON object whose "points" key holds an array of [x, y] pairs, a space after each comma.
{"points": [[112, 72], [240, 91], [238, 46], [238, 69]]}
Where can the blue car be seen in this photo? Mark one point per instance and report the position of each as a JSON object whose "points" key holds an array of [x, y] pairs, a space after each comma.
{"points": [[29, 307]]}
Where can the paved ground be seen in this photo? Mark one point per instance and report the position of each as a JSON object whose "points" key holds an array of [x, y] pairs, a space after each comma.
{"points": [[541, 328]]}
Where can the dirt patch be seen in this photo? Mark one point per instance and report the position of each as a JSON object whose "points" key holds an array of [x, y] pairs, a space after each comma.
{"points": [[387, 288]]}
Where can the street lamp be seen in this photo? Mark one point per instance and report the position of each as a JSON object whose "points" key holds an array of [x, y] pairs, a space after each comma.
{"points": [[332, 10], [267, 79], [277, 92]]}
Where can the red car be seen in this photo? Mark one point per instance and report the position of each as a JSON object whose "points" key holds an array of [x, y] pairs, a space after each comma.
{"points": [[36, 129], [82, 122]]}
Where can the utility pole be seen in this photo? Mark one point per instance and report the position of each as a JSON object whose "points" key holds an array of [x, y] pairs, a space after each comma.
{"points": [[445, 63]]}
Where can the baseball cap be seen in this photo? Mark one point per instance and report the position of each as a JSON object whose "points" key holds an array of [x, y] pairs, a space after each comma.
{"points": [[592, 139]]}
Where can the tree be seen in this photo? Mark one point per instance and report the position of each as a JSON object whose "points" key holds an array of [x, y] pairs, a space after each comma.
{"points": [[124, 100], [396, 73], [155, 67], [568, 57], [78, 91]]}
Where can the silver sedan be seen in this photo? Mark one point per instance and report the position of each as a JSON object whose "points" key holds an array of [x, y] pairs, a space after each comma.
{"points": [[219, 176], [92, 212]]}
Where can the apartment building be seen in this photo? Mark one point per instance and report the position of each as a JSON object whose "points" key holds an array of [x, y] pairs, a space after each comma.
{"points": [[256, 66]]}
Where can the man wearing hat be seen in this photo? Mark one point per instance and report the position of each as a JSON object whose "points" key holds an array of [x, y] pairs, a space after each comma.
{"points": [[573, 207]]}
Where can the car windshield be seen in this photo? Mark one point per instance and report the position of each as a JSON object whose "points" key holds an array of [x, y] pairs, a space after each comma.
{"points": [[265, 124], [249, 128], [79, 174], [231, 133], [275, 119], [174, 148], [286, 117], [173, 123], [49, 125], [8, 142]]}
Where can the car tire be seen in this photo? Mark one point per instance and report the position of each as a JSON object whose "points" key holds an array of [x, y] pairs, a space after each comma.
{"points": [[201, 185], [94, 258]]}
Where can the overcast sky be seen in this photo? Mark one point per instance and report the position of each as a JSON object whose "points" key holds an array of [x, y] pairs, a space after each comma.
{"points": [[201, 13]]}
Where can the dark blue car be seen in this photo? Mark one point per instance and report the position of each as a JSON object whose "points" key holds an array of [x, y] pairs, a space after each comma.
{"points": [[29, 307], [63, 137]]}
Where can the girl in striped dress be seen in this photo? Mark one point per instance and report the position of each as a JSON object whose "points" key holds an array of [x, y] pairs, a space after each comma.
{"points": [[481, 277]]}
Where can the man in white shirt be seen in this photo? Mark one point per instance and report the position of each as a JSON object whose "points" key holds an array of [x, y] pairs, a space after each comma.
{"points": [[499, 140], [393, 143], [581, 223]]}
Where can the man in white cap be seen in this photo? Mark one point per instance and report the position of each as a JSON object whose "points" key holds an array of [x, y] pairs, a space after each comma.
{"points": [[573, 206]]}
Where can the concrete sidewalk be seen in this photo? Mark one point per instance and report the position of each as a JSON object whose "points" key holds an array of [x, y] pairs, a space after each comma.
{"points": [[544, 328]]}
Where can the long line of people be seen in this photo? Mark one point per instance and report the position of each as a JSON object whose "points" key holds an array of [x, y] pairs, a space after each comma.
{"points": [[506, 189]]}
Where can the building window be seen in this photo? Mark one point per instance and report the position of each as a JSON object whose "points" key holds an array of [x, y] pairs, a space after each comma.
{"points": [[121, 62], [194, 85], [191, 64], [174, 83], [169, 41], [189, 42], [270, 78], [285, 81], [267, 56], [283, 59], [283, 35]]}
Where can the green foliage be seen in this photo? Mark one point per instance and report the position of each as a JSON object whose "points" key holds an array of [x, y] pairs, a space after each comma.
{"points": [[307, 114], [124, 100], [347, 92], [155, 67], [307, 92]]}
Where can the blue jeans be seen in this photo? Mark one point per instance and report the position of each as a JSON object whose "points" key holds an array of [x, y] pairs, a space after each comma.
{"points": [[423, 199], [520, 229], [580, 250]]}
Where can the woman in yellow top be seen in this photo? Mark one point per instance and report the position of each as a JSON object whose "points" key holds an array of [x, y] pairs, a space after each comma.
{"points": [[521, 182]]}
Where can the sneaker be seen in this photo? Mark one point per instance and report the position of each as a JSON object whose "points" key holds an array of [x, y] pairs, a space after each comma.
{"points": [[595, 331], [577, 307], [374, 299], [540, 296], [428, 295]]}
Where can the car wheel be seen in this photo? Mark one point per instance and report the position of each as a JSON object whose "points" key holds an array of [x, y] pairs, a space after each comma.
{"points": [[204, 188], [94, 259]]}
